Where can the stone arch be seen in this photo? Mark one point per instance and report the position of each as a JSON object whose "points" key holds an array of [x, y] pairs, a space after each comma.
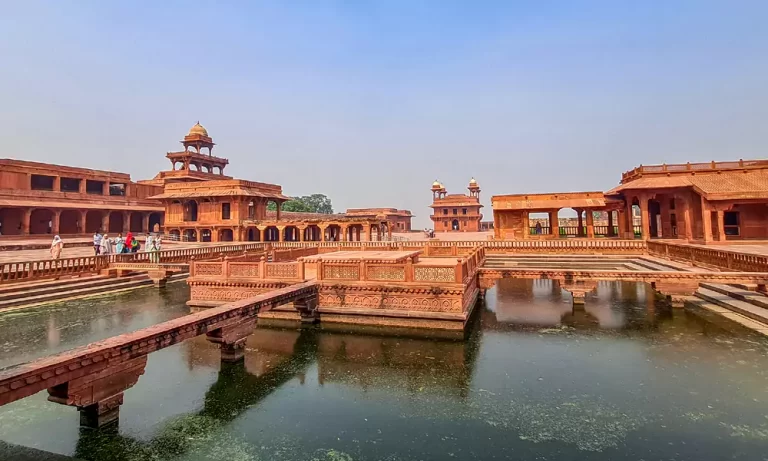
{"points": [[116, 222], [69, 222], [312, 233], [206, 235], [40, 221], [155, 222], [136, 222], [253, 234], [10, 221], [271, 234], [333, 233], [226, 235], [291, 234], [175, 234], [355, 232], [455, 226], [190, 235], [93, 221]]}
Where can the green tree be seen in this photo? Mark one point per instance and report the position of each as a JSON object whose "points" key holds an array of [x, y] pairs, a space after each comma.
{"points": [[315, 203]]}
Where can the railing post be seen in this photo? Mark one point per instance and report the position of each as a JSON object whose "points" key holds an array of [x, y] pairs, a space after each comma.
{"points": [[263, 268], [319, 265], [300, 268], [458, 271], [363, 270], [409, 269]]}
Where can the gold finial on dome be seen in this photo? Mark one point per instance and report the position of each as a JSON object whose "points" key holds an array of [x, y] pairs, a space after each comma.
{"points": [[198, 129]]}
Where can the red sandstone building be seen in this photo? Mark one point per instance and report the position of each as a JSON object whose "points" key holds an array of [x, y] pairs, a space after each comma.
{"points": [[696, 202], [456, 212], [40, 198]]}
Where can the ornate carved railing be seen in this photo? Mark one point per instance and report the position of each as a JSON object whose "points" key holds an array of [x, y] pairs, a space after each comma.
{"points": [[53, 268], [709, 257], [236, 270]]}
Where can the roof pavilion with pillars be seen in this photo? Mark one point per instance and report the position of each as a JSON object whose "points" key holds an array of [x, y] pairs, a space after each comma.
{"points": [[511, 215], [202, 204], [456, 212]]}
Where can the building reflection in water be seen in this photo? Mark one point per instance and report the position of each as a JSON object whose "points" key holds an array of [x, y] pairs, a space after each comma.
{"points": [[542, 303]]}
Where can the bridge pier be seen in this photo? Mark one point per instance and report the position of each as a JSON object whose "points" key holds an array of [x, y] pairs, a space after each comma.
{"points": [[159, 277], [231, 339], [98, 396], [307, 308]]}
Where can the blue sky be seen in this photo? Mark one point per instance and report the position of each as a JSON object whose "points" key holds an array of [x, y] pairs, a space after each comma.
{"points": [[369, 102]]}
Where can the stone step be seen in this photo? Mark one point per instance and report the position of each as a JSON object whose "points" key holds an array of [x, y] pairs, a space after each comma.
{"points": [[728, 314], [744, 308], [653, 265], [64, 285], [756, 299], [113, 284], [13, 285]]}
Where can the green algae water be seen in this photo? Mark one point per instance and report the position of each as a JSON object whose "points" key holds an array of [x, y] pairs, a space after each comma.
{"points": [[620, 378]]}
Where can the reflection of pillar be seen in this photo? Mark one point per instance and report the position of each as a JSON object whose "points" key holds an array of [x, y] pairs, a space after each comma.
{"points": [[590, 224], [721, 225]]}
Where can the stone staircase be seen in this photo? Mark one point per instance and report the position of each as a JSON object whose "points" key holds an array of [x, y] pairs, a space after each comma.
{"points": [[731, 299], [15, 295], [577, 262]]}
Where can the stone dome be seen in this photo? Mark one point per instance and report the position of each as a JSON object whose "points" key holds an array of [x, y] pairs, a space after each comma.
{"points": [[472, 182], [198, 129], [437, 184]]}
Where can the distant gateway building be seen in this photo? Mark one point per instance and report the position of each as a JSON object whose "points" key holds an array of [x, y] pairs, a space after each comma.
{"points": [[456, 212]]}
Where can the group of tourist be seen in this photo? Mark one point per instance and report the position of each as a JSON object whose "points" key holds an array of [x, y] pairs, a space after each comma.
{"points": [[429, 233], [103, 245]]}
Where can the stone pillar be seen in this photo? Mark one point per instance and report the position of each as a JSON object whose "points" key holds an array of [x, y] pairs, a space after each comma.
{"points": [[344, 236], [280, 233], [301, 233], [721, 225], [645, 219], [322, 234], [98, 395], [81, 186], [677, 291], [277, 213], [126, 222], [580, 225], [81, 222], [105, 221], [55, 220], [554, 227], [590, 224], [622, 215], [610, 224], [231, 339], [57, 183], [26, 218], [145, 223], [685, 214], [526, 225], [706, 220]]}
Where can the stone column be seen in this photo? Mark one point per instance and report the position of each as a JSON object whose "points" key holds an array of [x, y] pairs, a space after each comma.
{"points": [[81, 222], [344, 236], [706, 219], [126, 222], [610, 224], [301, 233], [307, 308], [580, 225], [721, 225], [322, 233], [685, 214], [645, 219], [26, 218], [590, 224], [145, 223], [280, 232], [554, 225], [81, 186], [57, 183], [55, 220], [105, 221]]}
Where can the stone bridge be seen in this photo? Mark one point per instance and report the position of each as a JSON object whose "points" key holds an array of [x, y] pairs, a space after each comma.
{"points": [[94, 377], [675, 285]]}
